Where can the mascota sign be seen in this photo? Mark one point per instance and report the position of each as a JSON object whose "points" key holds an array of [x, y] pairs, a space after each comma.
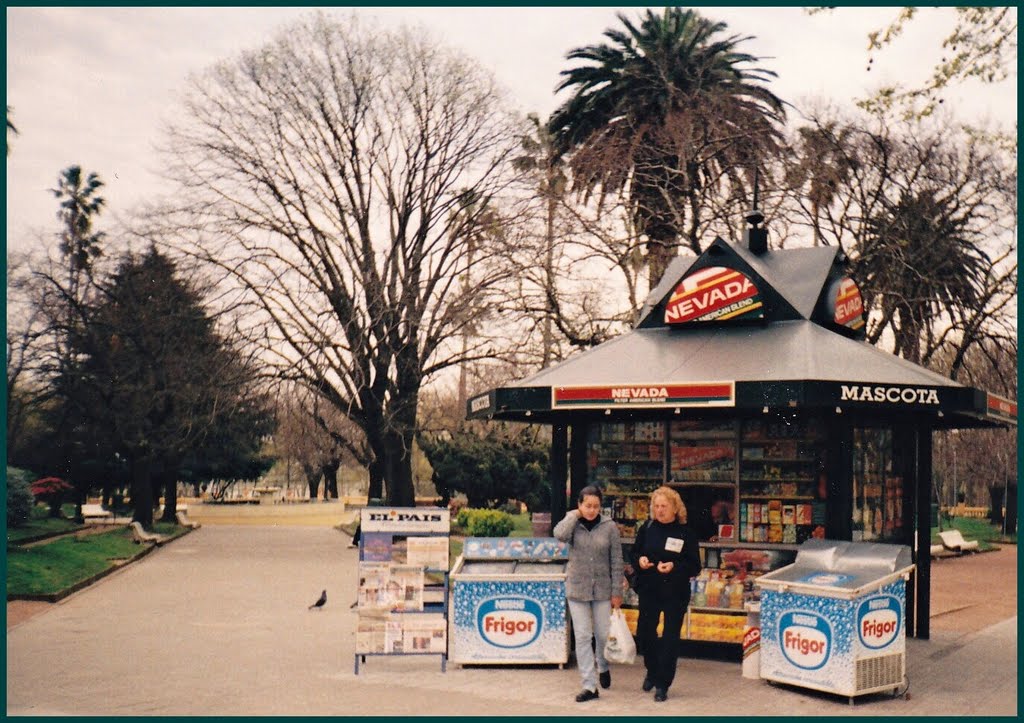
{"points": [[697, 394], [714, 294]]}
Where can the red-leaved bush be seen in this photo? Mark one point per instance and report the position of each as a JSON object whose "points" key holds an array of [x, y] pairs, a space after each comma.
{"points": [[51, 491], [47, 487]]}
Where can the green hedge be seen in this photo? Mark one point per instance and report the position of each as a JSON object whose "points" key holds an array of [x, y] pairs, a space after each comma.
{"points": [[19, 497], [485, 523]]}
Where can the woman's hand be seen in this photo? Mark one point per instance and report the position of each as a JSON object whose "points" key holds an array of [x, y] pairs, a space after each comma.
{"points": [[665, 567], [645, 564], [616, 602]]}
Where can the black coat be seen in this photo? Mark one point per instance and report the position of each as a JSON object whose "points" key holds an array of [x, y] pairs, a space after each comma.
{"points": [[655, 541]]}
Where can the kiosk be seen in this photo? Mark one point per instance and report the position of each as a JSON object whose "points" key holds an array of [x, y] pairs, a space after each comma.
{"points": [[747, 386]]}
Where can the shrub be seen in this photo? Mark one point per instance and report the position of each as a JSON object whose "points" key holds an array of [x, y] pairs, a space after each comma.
{"points": [[511, 507], [489, 523], [462, 517], [51, 490], [455, 506], [19, 497]]}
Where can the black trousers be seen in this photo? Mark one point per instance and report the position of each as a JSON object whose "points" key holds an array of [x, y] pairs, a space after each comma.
{"points": [[660, 653]]}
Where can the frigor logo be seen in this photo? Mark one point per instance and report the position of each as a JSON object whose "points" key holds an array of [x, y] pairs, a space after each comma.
{"points": [[879, 621], [509, 622], [889, 395], [806, 639]]}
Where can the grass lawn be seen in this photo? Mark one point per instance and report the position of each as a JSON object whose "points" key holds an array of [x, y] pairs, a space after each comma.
{"points": [[56, 566], [40, 527], [974, 529], [52, 567]]}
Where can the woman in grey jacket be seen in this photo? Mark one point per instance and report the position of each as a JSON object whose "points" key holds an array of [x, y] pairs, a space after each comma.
{"points": [[593, 584]]}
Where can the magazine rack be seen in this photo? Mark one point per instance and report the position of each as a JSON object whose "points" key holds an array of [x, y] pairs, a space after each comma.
{"points": [[403, 583]]}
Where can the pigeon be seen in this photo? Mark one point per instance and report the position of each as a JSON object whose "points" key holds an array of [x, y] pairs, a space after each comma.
{"points": [[321, 602]]}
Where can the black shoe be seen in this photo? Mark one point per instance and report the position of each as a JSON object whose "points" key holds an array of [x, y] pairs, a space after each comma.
{"points": [[648, 684], [586, 695], [660, 694], [606, 679]]}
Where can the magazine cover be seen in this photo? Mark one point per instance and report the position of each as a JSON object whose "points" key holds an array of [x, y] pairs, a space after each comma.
{"points": [[430, 552]]}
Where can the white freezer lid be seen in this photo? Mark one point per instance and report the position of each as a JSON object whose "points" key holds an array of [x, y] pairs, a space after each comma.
{"points": [[835, 568], [509, 568]]}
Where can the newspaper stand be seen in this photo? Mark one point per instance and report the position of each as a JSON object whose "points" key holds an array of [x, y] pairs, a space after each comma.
{"points": [[508, 599], [403, 583], [834, 620]]}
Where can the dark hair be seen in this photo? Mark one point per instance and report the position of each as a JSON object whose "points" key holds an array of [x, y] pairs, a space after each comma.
{"points": [[590, 491]]}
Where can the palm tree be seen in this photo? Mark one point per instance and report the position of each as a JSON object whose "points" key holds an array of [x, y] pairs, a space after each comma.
{"points": [[920, 262], [540, 157], [79, 203], [667, 113]]}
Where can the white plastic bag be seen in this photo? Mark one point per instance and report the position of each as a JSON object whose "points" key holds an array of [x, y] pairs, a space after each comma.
{"points": [[620, 647]]}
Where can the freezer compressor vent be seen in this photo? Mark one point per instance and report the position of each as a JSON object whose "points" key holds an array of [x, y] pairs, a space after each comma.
{"points": [[880, 672]]}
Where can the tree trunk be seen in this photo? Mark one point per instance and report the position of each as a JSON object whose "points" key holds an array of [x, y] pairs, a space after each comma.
{"points": [[659, 256], [398, 469], [170, 485], [312, 479], [330, 473], [376, 471], [142, 491]]}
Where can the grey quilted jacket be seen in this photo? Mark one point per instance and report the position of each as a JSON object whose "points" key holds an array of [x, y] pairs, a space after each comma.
{"points": [[595, 558]]}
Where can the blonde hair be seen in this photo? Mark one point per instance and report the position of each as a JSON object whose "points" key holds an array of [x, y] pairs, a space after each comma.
{"points": [[673, 498]]}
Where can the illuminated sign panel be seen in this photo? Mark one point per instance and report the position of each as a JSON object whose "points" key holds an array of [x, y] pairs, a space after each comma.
{"points": [[714, 294], [698, 394], [846, 304]]}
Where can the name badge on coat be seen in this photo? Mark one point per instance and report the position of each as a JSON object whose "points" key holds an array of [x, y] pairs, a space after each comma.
{"points": [[674, 544]]}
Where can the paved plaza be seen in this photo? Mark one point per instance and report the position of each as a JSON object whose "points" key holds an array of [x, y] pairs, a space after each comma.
{"points": [[217, 623]]}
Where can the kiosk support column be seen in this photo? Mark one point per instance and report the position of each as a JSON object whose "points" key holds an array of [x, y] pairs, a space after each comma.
{"points": [[559, 470], [921, 582], [577, 462]]}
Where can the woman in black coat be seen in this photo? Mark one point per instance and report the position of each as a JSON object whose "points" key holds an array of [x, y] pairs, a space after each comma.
{"points": [[666, 554]]}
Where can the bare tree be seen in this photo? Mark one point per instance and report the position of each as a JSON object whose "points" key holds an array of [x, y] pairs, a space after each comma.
{"points": [[981, 45], [317, 438], [927, 213], [327, 175]]}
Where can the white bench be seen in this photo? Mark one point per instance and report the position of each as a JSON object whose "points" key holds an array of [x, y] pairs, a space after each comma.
{"points": [[953, 541], [937, 550], [184, 521], [92, 511], [140, 536]]}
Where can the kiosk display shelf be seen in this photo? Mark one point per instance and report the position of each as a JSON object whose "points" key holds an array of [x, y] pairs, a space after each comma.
{"points": [[403, 583], [781, 486], [704, 463], [627, 457]]}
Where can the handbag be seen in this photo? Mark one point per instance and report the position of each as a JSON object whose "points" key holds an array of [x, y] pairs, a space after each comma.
{"points": [[620, 647]]}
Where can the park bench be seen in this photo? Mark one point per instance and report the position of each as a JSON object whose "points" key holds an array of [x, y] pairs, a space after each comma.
{"points": [[94, 512], [953, 541], [139, 535], [937, 550], [184, 521]]}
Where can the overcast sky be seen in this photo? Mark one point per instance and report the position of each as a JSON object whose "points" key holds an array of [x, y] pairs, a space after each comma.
{"points": [[92, 86]]}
